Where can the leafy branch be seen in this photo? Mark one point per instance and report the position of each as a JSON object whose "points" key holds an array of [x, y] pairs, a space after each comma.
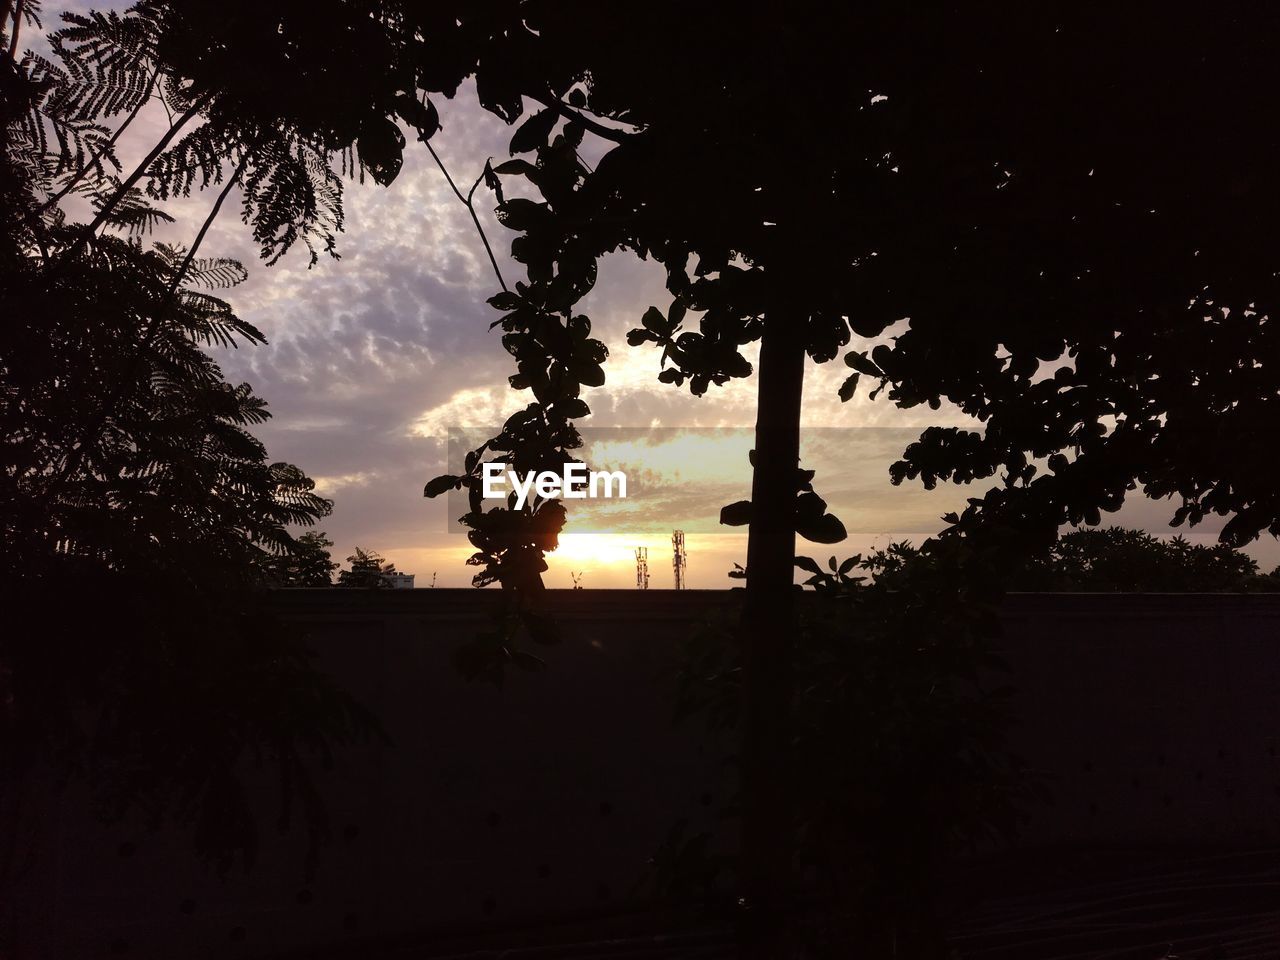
{"points": [[468, 202]]}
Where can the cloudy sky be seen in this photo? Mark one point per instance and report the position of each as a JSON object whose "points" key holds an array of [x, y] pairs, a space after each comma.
{"points": [[373, 359]]}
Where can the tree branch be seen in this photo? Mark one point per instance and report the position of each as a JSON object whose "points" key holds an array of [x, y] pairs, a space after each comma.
{"points": [[97, 157], [17, 28], [204, 229], [6, 10], [87, 233], [467, 202], [577, 116], [77, 454]]}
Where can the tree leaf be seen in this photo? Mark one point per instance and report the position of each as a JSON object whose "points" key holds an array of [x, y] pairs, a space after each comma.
{"points": [[808, 565], [862, 363], [736, 514], [589, 374], [381, 147], [423, 117], [505, 301], [517, 167], [824, 529], [654, 321], [573, 408], [441, 484], [520, 214], [810, 506], [533, 133], [848, 387]]}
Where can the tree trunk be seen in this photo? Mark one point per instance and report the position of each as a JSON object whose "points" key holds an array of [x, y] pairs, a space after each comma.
{"points": [[767, 634], [6, 12]]}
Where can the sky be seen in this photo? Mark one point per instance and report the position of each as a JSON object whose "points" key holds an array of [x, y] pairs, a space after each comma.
{"points": [[372, 360]]}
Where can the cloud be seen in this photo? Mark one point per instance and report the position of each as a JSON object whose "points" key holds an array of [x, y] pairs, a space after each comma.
{"points": [[372, 358]]}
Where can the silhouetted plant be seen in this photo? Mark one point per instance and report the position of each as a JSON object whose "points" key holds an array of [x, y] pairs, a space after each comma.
{"points": [[1109, 560], [748, 249], [138, 514], [973, 194], [368, 571], [1116, 559], [309, 564]]}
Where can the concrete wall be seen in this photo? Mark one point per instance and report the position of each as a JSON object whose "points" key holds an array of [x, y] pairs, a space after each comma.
{"points": [[1156, 718]]}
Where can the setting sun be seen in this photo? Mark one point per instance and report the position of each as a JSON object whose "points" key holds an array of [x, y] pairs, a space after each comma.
{"points": [[608, 559], [599, 549]]}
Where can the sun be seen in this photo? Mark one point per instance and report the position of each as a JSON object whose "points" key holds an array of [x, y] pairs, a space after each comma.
{"points": [[594, 550], [600, 560]]}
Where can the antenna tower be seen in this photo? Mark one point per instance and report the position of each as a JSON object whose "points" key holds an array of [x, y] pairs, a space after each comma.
{"points": [[679, 559], [642, 568]]}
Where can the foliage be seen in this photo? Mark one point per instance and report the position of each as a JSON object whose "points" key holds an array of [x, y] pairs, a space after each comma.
{"points": [[809, 512], [898, 760], [1149, 309], [1088, 307], [368, 571], [1111, 560], [124, 443], [1003, 205], [867, 223], [307, 565], [1115, 559], [138, 514]]}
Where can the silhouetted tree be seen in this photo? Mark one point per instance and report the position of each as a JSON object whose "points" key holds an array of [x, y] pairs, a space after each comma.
{"points": [[368, 571], [308, 565], [137, 512], [1116, 560], [1006, 225], [1110, 560], [1004, 205]]}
